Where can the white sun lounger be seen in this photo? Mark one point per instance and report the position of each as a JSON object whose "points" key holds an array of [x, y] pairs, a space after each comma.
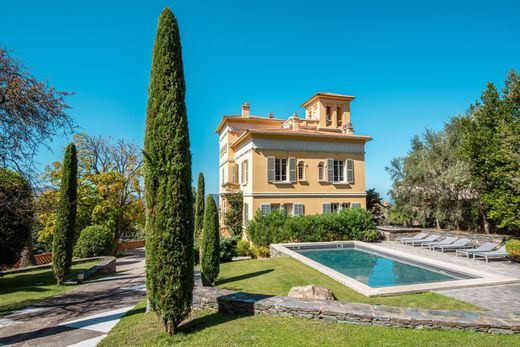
{"points": [[486, 247], [498, 254], [419, 236], [459, 244], [430, 238], [447, 241]]}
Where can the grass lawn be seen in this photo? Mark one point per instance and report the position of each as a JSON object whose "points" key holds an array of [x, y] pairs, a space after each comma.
{"points": [[276, 276], [26, 288], [209, 328]]}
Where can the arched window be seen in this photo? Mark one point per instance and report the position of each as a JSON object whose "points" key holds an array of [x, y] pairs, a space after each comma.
{"points": [[321, 172], [301, 171]]}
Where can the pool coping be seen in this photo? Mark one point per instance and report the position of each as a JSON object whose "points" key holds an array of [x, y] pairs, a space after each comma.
{"points": [[483, 278]]}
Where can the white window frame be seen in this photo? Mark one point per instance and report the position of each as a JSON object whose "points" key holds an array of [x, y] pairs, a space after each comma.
{"points": [[338, 172], [298, 209], [321, 167], [280, 172]]}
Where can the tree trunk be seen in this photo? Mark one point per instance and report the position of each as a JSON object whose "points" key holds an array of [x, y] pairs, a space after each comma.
{"points": [[437, 224], [485, 223], [27, 255]]}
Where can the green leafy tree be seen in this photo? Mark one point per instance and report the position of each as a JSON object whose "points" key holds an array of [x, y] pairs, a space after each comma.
{"points": [[488, 146], [168, 191], [63, 241], [199, 206], [233, 216], [16, 215], [210, 244]]}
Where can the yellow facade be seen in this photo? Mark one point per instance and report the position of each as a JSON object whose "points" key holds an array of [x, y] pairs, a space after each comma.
{"points": [[304, 165]]}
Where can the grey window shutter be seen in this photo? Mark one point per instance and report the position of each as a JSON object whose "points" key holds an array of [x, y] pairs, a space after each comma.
{"points": [[247, 170], [326, 208], [292, 169], [356, 205], [330, 170], [270, 169], [350, 171]]}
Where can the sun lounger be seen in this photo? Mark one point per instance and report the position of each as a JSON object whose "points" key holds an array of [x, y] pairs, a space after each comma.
{"points": [[447, 241], [459, 244], [498, 254], [419, 236], [430, 238], [486, 247]]}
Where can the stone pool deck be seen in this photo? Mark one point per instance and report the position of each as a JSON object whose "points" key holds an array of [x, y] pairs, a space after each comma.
{"points": [[500, 299]]}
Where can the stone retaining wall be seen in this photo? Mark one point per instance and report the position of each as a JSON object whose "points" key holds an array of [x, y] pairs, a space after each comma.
{"points": [[390, 233], [352, 313]]}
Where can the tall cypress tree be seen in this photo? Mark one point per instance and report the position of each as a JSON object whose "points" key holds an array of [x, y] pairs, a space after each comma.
{"points": [[199, 206], [168, 193], [210, 261], [63, 240]]}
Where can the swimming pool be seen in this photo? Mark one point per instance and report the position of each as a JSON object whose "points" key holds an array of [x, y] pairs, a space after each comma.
{"points": [[374, 270]]}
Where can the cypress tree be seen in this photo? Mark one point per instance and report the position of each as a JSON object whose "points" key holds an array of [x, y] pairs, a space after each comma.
{"points": [[63, 240], [199, 206], [168, 191], [210, 244]]}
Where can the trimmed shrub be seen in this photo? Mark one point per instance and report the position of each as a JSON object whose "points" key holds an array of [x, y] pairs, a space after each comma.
{"points": [[93, 241], [16, 215], [513, 249], [348, 224], [209, 263], [227, 248], [243, 248], [264, 230], [259, 252]]}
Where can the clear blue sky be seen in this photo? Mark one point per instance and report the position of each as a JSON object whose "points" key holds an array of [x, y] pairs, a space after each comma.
{"points": [[411, 64]]}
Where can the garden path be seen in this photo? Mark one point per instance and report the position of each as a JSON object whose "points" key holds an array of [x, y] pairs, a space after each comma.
{"points": [[83, 316]]}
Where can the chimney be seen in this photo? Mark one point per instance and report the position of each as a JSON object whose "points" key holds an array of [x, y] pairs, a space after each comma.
{"points": [[295, 122], [245, 110], [270, 115]]}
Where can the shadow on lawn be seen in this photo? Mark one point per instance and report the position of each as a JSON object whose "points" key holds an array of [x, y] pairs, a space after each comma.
{"points": [[243, 277]]}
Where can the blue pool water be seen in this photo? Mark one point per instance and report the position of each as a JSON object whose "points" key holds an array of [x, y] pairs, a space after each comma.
{"points": [[372, 269]]}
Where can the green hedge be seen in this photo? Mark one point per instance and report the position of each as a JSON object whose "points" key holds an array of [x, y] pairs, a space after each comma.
{"points": [[513, 249], [94, 241], [348, 224]]}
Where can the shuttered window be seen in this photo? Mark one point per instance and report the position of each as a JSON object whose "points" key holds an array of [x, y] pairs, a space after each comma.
{"points": [[326, 208], [350, 171], [356, 205], [292, 169], [339, 171], [235, 173], [270, 169], [298, 210], [265, 209], [330, 170]]}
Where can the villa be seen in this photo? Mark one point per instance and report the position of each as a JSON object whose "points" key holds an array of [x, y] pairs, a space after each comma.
{"points": [[309, 165]]}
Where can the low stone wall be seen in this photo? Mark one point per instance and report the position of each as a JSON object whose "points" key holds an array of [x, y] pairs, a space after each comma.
{"points": [[391, 233], [351, 313], [107, 265]]}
